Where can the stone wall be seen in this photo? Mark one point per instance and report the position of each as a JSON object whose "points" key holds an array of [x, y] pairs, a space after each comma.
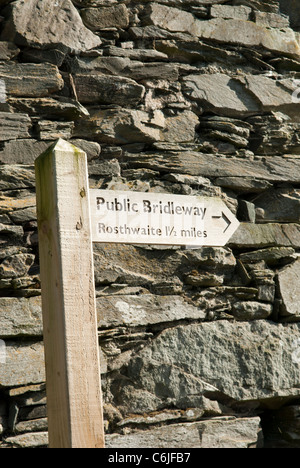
{"points": [[199, 348]]}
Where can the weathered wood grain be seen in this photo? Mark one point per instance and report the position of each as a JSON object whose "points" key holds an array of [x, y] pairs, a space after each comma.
{"points": [[68, 299]]}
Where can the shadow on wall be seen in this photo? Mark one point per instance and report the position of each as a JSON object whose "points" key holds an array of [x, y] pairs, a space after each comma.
{"points": [[292, 9]]}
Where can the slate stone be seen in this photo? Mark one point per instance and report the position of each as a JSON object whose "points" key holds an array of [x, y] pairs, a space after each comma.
{"points": [[16, 177], [14, 232], [108, 90], [30, 80], [288, 283], [91, 148], [22, 151], [250, 235], [156, 32], [144, 310], [124, 66], [251, 310], [238, 97], [272, 20], [24, 364], [16, 265], [246, 211], [134, 266], [49, 130], [180, 127], [220, 93], [45, 24], [54, 56], [135, 54], [20, 317], [28, 440], [273, 94], [228, 11], [276, 169], [216, 433], [115, 16], [214, 358], [23, 216], [121, 126], [17, 152], [279, 205], [50, 108], [232, 31], [276, 133], [243, 184], [197, 279], [13, 126], [272, 255], [271, 6], [8, 50], [31, 426]]}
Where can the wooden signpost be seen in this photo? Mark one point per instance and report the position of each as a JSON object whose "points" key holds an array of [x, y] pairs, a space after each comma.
{"points": [[68, 299], [70, 218]]}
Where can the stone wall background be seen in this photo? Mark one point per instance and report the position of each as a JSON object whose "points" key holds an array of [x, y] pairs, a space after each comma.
{"points": [[199, 348]]}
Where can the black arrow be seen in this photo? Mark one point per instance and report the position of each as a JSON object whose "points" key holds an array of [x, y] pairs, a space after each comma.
{"points": [[228, 222]]}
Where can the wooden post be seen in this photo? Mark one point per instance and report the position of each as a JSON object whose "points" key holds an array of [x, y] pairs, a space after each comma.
{"points": [[74, 401]]}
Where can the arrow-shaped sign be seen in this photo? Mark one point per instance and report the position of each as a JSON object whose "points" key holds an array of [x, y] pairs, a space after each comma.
{"points": [[155, 218], [228, 222]]}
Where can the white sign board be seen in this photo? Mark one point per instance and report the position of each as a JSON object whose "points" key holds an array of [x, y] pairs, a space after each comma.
{"points": [[156, 218]]}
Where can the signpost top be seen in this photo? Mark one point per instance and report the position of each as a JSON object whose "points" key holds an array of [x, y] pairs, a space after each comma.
{"points": [[157, 218]]}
